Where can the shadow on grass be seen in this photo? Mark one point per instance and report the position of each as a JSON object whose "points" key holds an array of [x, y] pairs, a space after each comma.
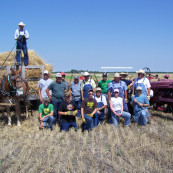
{"points": [[4, 119], [165, 117]]}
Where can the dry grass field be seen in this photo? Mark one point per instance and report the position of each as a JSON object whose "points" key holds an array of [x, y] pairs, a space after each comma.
{"points": [[106, 149]]}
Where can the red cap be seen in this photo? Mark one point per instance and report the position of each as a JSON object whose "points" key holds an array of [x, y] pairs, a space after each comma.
{"points": [[82, 78], [62, 73]]}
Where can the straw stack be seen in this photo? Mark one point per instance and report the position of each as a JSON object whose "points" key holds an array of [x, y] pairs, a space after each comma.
{"points": [[34, 60]]}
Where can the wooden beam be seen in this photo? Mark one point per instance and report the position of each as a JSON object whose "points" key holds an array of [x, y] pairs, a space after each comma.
{"points": [[6, 104]]}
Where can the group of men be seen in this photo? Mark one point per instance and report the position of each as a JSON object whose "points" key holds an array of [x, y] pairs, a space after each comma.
{"points": [[63, 102]]}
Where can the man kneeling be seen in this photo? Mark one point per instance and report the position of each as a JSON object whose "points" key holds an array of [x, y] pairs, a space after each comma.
{"points": [[67, 112], [140, 104], [88, 109], [46, 114]]}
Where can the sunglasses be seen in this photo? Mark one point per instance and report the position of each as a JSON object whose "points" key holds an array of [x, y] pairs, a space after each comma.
{"points": [[90, 93], [116, 92]]}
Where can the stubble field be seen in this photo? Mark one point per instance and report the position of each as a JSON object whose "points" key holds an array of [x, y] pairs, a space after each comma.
{"points": [[105, 149]]}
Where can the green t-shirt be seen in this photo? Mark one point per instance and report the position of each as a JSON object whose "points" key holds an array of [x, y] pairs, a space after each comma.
{"points": [[45, 110], [104, 85]]}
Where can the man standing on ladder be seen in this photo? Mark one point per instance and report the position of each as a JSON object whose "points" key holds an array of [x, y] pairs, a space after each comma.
{"points": [[21, 35]]}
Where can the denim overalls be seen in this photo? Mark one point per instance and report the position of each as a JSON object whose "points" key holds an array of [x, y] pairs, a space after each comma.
{"points": [[86, 88], [99, 118], [21, 46]]}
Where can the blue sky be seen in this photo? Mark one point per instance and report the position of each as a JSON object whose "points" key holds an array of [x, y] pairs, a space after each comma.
{"points": [[89, 34]]}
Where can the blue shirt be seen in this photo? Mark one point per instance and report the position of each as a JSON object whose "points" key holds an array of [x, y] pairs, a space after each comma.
{"points": [[141, 99], [76, 90], [117, 85]]}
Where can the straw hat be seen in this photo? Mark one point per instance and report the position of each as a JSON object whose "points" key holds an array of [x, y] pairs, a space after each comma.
{"points": [[141, 71], [117, 75], [21, 24], [86, 73], [123, 73]]}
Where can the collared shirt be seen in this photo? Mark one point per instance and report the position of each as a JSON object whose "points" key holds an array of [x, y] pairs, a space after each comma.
{"points": [[90, 81], [19, 32], [76, 90], [141, 99], [113, 85]]}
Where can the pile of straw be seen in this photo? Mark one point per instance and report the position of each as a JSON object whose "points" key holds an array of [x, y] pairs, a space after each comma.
{"points": [[34, 60]]}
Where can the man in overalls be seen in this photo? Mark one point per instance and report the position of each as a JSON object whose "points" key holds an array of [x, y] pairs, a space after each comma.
{"points": [[21, 35], [86, 85], [121, 86], [143, 82], [102, 104]]}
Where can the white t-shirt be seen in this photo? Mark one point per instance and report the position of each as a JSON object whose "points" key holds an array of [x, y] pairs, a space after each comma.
{"points": [[146, 82], [117, 103], [98, 99], [43, 84]]}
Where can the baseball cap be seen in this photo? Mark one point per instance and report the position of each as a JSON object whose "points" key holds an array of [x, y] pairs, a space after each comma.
{"points": [[62, 73], [98, 89], [46, 72], [139, 88], [67, 94], [104, 74], [116, 90], [46, 99], [91, 90], [58, 75], [76, 77]]}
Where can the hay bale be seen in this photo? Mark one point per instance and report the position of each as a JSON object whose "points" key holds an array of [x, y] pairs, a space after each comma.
{"points": [[34, 59]]}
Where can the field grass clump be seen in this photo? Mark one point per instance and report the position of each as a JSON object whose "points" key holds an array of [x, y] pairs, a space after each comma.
{"points": [[106, 149]]}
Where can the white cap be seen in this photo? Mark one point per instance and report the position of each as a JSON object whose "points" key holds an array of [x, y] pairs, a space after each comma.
{"points": [[139, 88], [141, 71], [117, 75], [58, 75], [86, 73], [21, 24], [116, 90], [98, 89], [46, 72]]}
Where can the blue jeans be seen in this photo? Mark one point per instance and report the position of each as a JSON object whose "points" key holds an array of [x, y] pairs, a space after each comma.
{"points": [[125, 106], [22, 47], [98, 118], [109, 119], [55, 107], [65, 126], [50, 120], [89, 123], [125, 115], [141, 117], [78, 103]]}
